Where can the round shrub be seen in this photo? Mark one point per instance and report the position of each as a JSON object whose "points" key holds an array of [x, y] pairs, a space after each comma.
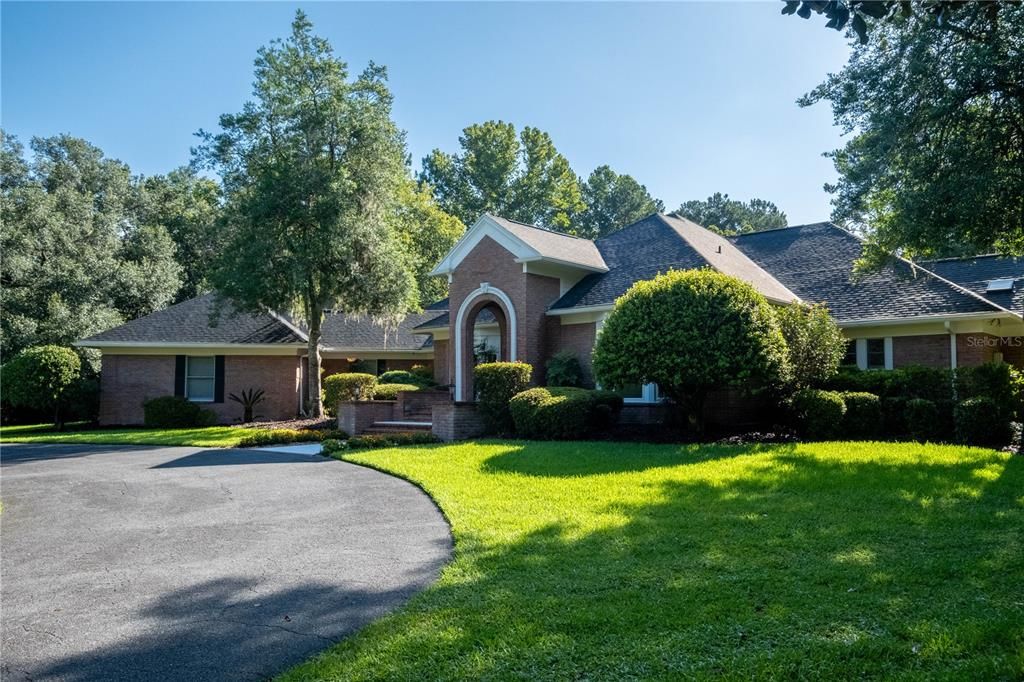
{"points": [[981, 421], [559, 413], [175, 412], [400, 376], [863, 418], [495, 384], [349, 386], [42, 378], [691, 332], [390, 391], [922, 417], [819, 413], [424, 373], [814, 343], [564, 369]]}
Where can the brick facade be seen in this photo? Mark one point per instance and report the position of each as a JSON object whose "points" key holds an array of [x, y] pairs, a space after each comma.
{"points": [[579, 340], [442, 367], [931, 350], [127, 381]]}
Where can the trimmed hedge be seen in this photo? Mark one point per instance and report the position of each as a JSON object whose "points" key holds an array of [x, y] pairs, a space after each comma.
{"points": [[863, 418], [379, 440], [922, 418], [819, 413], [563, 412], [401, 376], [390, 391], [175, 412], [1001, 383], [349, 386], [496, 383], [982, 421], [260, 437]]}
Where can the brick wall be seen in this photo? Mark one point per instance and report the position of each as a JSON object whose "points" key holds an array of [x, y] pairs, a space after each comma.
{"points": [[354, 417], [579, 339], [456, 421], [126, 381], [442, 362], [931, 351], [976, 349], [1012, 348]]}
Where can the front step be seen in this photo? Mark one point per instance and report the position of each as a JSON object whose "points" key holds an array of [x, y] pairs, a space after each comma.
{"points": [[399, 427]]}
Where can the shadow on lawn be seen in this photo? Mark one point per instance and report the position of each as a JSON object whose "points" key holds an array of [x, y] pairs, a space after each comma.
{"points": [[796, 567], [539, 458]]}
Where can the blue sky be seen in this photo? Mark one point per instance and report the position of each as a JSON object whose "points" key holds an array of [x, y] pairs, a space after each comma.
{"points": [[689, 98]]}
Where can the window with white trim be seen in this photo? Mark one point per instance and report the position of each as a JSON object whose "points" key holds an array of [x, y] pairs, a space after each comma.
{"points": [[200, 378]]}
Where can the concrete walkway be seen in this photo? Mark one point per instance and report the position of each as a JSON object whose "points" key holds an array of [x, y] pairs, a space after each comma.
{"points": [[135, 563]]}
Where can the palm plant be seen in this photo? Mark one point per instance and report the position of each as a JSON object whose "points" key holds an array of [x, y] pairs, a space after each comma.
{"points": [[248, 400]]}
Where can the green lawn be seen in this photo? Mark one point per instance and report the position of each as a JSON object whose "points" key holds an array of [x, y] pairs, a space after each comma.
{"points": [[613, 561], [204, 437]]}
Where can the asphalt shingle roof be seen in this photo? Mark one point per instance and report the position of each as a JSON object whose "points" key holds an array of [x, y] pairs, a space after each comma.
{"points": [[817, 263], [190, 322], [976, 273], [360, 332], [555, 245]]}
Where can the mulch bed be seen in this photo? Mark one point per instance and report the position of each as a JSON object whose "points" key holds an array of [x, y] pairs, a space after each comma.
{"points": [[323, 424]]}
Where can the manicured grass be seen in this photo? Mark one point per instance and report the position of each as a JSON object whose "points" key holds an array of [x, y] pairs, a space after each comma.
{"points": [[612, 561], [204, 437]]}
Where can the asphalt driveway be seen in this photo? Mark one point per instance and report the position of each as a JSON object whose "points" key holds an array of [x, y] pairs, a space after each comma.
{"points": [[192, 564]]}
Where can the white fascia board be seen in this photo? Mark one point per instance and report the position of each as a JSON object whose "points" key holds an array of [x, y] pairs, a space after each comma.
{"points": [[165, 348], [563, 263], [924, 319], [372, 354], [605, 307], [378, 351], [483, 227]]}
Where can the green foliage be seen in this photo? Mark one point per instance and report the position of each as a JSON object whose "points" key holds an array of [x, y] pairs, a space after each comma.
{"points": [[1002, 383], [522, 178], [248, 399], [982, 421], [401, 376], [561, 413], [728, 216], [427, 234], [312, 168], [815, 344], [915, 381], [390, 391], [349, 386], [495, 384], [79, 257], [43, 378], [894, 417], [922, 418], [261, 437], [691, 332], [175, 412], [863, 417], [424, 374], [563, 369], [612, 201], [373, 441], [819, 414], [935, 113]]}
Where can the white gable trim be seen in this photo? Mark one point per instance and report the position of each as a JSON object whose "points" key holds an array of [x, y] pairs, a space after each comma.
{"points": [[484, 227], [484, 288]]}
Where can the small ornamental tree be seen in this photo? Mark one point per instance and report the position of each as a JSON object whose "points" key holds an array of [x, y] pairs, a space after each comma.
{"points": [[814, 341], [691, 332], [42, 378]]}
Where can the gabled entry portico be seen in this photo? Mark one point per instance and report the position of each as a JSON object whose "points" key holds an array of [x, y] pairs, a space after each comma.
{"points": [[500, 305]]}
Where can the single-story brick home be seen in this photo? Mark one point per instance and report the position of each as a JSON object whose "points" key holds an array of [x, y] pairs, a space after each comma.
{"points": [[519, 292]]}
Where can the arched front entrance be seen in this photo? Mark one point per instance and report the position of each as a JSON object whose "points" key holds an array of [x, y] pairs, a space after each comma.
{"points": [[499, 306]]}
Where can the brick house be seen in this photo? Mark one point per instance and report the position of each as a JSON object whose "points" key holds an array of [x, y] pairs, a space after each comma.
{"points": [[519, 292]]}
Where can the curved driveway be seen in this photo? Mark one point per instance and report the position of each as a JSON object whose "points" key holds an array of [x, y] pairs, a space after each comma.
{"points": [[191, 564]]}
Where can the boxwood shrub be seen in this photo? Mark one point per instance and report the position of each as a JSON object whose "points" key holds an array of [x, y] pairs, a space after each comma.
{"points": [[348, 386], [495, 384], [819, 414], [863, 418], [401, 376], [390, 391], [564, 369], [175, 412], [555, 413], [982, 421], [922, 417]]}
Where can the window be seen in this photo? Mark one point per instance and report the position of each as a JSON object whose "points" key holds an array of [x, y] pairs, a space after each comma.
{"points": [[200, 378], [635, 393], [876, 353], [851, 353]]}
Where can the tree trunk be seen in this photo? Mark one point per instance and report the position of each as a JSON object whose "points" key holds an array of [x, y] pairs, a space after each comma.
{"points": [[313, 375]]}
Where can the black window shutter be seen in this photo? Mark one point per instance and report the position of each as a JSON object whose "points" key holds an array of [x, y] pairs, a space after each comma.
{"points": [[218, 381], [179, 375]]}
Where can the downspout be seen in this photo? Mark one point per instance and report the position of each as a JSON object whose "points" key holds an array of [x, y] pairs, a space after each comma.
{"points": [[952, 355]]}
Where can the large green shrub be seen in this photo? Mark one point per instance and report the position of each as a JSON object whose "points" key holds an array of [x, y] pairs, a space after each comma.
{"points": [[691, 332], [495, 383], [1000, 382], [175, 412], [349, 386], [863, 418], [819, 414], [607, 408], [556, 413], [390, 391], [42, 378], [564, 369], [894, 419], [401, 376], [922, 417], [982, 421], [815, 344]]}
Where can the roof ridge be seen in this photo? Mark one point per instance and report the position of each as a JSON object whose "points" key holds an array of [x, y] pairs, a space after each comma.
{"points": [[823, 223], [965, 258], [542, 229]]}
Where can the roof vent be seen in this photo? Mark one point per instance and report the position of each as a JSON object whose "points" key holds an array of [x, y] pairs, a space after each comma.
{"points": [[1005, 284]]}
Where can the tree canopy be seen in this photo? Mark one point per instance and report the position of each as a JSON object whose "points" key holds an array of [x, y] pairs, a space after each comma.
{"points": [[612, 201], [79, 256], [729, 216], [427, 234], [311, 168], [520, 177], [934, 105]]}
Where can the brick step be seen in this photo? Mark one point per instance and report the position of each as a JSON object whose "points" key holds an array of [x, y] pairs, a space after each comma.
{"points": [[399, 427]]}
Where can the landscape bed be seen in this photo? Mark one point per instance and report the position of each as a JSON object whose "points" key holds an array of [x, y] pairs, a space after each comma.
{"points": [[200, 436], [610, 561]]}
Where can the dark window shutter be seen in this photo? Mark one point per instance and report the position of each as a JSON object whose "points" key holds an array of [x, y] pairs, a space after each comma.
{"points": [[179, 375], [218, 380]]}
